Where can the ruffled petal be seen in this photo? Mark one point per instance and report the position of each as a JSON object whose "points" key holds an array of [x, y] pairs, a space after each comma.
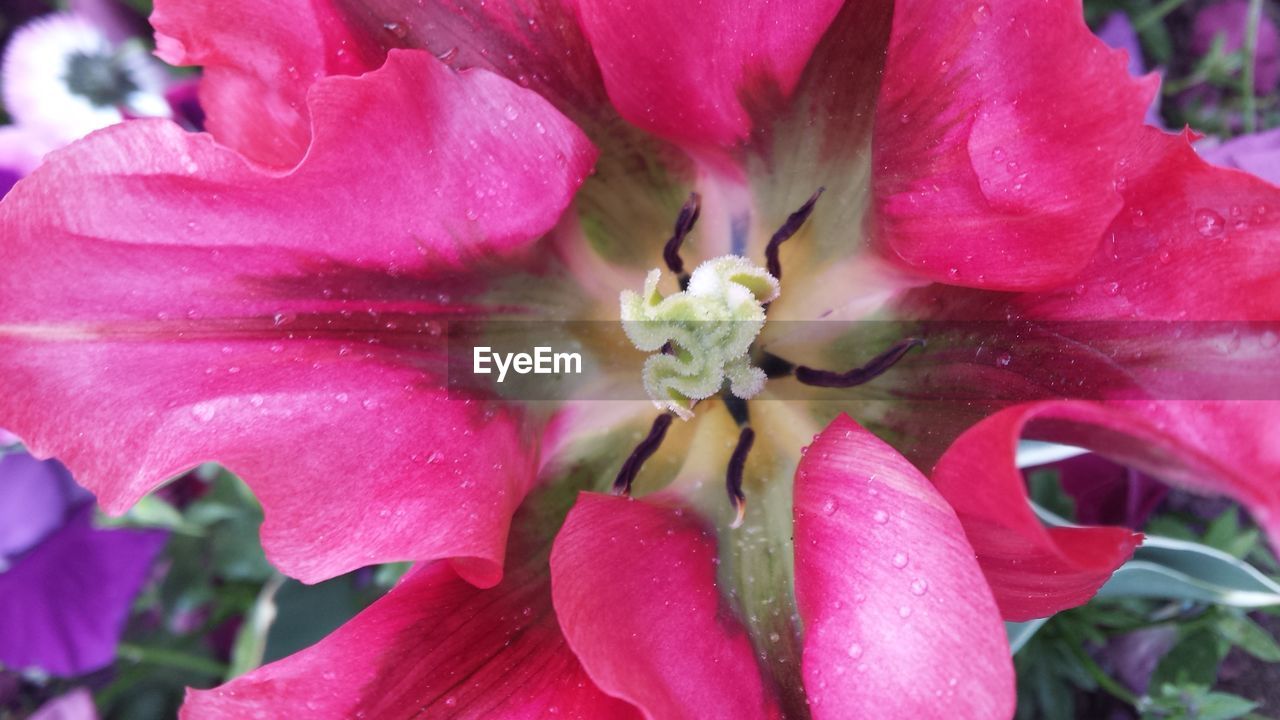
{"points": [[259, 60], [1034, 571], [191, 307], [1000, 124], [897, 614], [63, 605], [690, 72], [434, 646], [634, 586]]}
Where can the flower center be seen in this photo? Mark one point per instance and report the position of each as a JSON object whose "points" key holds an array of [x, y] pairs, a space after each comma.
{"points": [[100, 78], [704, 332]]}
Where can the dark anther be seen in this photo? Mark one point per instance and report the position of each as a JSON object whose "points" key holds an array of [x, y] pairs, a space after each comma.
{"points": [[737, 408], [774, 366], [794, 221], [859, 375], [733, 476], [646, 448], [684, 223]]}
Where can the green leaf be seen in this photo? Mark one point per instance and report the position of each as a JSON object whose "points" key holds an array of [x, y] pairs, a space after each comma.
{"points": [[1021, 632], [1168, 568], [1223, 706], [1192, 661], [150, 512], [1249, 636], [251, 639]]}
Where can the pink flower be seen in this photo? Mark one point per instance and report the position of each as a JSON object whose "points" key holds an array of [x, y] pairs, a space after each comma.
{"points": [[274, 296]]}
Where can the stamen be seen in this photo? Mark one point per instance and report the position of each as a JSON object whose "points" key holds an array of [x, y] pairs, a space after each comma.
{"points": [[684, 224], [646, 448], [774, 366], [859, 375], [733, 476], [793, 223]]}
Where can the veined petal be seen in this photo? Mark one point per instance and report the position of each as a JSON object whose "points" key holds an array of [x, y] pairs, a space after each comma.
{"points": [[434, 646], [1000, 123], [259, 60], [687, 72], [634, 586], [897, 614], [191, 307]]}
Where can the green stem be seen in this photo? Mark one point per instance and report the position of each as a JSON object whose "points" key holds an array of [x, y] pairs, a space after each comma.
{"points": [[170, 658], [1156, 14], [1105, 681], [1250, 66]]}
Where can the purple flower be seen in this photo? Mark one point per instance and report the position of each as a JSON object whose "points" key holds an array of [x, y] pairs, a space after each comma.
{"points": [[1258, 153], [65, 586]]}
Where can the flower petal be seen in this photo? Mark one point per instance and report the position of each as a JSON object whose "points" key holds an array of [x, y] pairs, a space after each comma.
{"points": [[35, 497], [634, 586], [999, 124], [166, 294], [258, 63], [687, 72], [63, 605], [897, 614], [434, 646], [1206, 447]]}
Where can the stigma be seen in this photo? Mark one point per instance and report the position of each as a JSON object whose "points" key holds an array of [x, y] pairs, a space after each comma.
{"points": [[702, 334]]}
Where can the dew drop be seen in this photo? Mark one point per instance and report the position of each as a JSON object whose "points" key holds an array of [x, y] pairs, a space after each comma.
{"points": [[881, 517], [919, 586], [855, 651], [1208, 223], [904, 612], [1004, 359], [900, 560], [982, 14], [829, 506]]}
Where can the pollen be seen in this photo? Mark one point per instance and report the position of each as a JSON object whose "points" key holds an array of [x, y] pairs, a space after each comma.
{"points": [[703, 334]]}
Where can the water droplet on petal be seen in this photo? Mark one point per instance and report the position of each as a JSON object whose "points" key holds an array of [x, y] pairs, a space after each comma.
{"points": [[1208, 223], [829, 506], [855, 651], [900, 560], [881, 517], [919, 586]]}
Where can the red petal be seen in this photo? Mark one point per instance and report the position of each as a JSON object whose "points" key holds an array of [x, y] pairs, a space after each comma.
{"points": [[165, 304], [259, 60], [684, 70], [634, 585], [434, 646], [1000, 124], [1194, 242], [537, 43], [1036, 571], [897, 614]]}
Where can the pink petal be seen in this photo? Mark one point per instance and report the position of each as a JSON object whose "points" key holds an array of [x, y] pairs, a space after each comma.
{"points": [[634, 586], [897, 614], [1000, 124], [1208, 447], [163, 294], [1194, 242], [686, 71], [434, 646], [259, 60], [536, 43]]}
